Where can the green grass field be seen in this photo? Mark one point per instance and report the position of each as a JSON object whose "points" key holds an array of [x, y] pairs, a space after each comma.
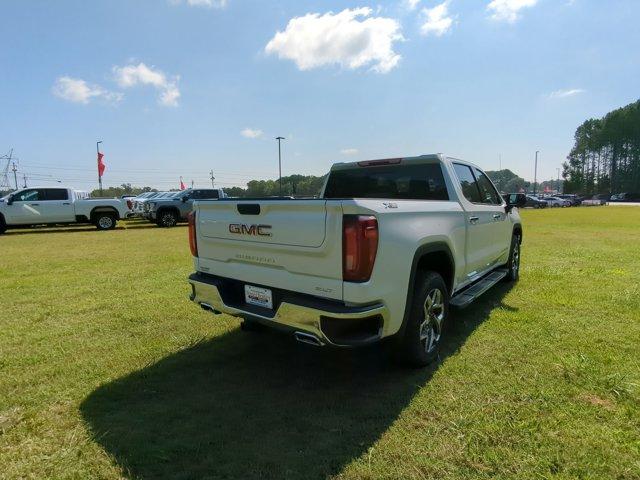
{"points": [[108, 371]]}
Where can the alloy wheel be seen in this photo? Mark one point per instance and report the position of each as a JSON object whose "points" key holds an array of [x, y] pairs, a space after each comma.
{"points": [[431, 326], [105, 222]]}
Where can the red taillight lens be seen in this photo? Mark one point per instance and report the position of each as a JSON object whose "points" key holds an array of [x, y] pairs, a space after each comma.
{"points": [[359, 247], [129, 205], [193, 245]]}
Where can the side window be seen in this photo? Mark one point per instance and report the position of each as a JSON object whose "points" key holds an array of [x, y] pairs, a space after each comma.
{"points": [[487, 190], [468, 183], [56, 194], [27, 196]]}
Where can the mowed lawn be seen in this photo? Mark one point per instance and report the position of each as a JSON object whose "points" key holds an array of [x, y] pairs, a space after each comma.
{"points": [[108, 371]]}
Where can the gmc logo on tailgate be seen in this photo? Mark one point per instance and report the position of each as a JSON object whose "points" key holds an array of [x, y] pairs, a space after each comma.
{"points": [[242, 229]]}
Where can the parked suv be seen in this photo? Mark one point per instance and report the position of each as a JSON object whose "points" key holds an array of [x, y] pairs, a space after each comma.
{"points": [[167, 212], [386, 249]]}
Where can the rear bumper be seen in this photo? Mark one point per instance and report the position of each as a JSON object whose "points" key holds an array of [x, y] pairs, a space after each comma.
{"points": [[329, 322]]}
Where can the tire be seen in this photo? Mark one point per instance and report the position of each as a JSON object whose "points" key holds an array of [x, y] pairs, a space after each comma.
{"points": [[105, 221], [513, 265], [3, 226], [423, 333], [167, 219]]}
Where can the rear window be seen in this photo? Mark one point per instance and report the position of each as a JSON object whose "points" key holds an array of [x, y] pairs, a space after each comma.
{"points": [[205, 194], [402, 182], [56, 194]]}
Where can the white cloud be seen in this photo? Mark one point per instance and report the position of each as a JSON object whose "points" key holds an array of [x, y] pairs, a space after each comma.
{"points": [[132, 75], [572, 92], [349, 151], [508, 10], [78, 91], [251, 133], [351, 39], [412, 4], [201, 3], [438, 21]]}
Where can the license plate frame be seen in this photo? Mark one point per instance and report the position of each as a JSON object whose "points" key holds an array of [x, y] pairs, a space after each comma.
{"points": [[258, 296]]}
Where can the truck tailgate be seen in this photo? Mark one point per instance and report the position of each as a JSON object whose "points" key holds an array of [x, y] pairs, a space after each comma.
{"points": [[292, 245]]}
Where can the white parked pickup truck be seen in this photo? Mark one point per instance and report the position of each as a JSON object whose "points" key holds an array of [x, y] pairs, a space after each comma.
{"points": [[56, 205], [384, 252]]}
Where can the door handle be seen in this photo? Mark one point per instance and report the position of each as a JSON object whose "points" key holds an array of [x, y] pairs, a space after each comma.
{"points": [[473, 220], [497, 216], [66, 203], [34, 204]]}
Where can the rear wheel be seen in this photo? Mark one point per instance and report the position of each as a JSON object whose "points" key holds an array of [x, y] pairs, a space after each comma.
{"points": [[167, 219], [105, 221], [420, 344]]}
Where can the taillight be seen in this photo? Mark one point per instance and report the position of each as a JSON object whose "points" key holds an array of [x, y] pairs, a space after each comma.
{"points": [[129, 205], [359, 247], [193, 245]]}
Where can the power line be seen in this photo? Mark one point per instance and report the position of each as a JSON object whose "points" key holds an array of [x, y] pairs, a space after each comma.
{"points": [[127, 171]]}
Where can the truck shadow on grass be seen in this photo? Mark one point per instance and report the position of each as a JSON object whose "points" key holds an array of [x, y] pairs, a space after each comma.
{"points": [[258, 405]]}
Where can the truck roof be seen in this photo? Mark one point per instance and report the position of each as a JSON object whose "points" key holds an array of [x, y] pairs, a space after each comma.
{"points": [[426, 158]]}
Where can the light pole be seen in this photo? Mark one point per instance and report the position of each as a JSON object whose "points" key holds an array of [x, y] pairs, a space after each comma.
{"points": [[280, 163], [212, 178], [558, 169], [99, 176], [535, 173]]}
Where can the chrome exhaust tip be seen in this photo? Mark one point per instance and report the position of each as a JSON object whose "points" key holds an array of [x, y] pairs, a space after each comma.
{"points": [[307, 338], [209, 308]]}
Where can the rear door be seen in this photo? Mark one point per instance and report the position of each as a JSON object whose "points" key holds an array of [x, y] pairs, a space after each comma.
{"points": [[289, 244], [56, 205], [481, 216]]}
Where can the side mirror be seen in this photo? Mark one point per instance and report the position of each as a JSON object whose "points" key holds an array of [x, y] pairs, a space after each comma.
{"points": [[514, 200], [184, 199], [10, 200]]}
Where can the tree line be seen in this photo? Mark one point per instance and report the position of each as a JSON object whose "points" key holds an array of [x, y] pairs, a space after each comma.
{"points": [[292, 185], [605, 157]]}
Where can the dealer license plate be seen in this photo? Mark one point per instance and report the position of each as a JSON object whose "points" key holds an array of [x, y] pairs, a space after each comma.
{"points": [[262, 297]]}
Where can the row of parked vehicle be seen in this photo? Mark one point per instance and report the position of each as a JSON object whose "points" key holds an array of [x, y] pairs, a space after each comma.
{"points": [[166, 209], [571, 200], [63, 206]]}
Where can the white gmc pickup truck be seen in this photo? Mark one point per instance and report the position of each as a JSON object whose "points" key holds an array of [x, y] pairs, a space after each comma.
{"points": [[56, 205], [384, 252]]}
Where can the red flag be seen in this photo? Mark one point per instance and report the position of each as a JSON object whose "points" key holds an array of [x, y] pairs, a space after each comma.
{"points": [[182, 187], [101, 165]]}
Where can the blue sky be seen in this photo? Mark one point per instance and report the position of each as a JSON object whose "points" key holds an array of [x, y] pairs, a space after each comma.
{"points": [[182, 87]]}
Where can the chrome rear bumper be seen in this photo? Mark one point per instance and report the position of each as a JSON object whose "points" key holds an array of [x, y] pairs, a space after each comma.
{"points": [[326, 320]]}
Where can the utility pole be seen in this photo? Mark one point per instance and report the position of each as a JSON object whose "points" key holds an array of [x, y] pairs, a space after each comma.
{"points": [[99, 176], [191, 184], [15, 176], [4, 181], [24, 176], [535, 173], [212, 179], [280, 163], [558, 169]]}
